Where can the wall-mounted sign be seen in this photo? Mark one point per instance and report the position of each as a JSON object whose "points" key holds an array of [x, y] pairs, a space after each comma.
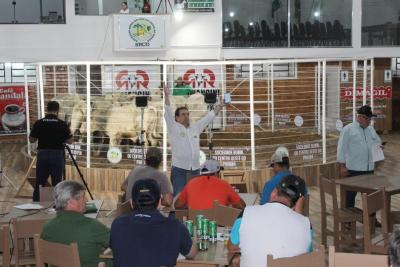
{"points": [[194, 5], [298, 121], [380, 92], [344, 76], [135, 153], [201, 78], [388, 76], [136, 79], [231, 156], [114, 155], [12, 110], [308, 151], [139, 32]]}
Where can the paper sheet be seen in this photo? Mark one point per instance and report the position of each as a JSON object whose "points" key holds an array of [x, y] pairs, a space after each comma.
{"points": [[377, 153], [29, 206]]}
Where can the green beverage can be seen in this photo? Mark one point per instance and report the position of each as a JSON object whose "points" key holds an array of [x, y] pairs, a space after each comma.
{"points": [[202, 245], [204, 228], [189, 226], [199, 222], [213, 231]]}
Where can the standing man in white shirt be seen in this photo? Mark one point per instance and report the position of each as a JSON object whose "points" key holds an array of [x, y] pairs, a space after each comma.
{"points": [[184, 138], [354, 149]]}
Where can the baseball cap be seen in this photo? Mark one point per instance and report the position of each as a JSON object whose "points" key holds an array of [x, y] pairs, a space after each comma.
{"points": [[146, 192], [277, 157], [293, 186], [366, 110], [210, 166]]}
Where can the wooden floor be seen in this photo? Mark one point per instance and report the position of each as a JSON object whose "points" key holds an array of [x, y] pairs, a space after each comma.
{"points": [[15, 163]]}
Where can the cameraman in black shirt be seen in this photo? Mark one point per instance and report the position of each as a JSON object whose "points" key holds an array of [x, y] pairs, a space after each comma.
{"points": [[52, 134]]}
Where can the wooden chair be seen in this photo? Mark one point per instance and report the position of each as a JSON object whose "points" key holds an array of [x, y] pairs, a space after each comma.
{"points": [[306, 208], [341, 233], [371, 204], [56, 254], [124, 208], [209, 214], [337, 259], [5, 245], [241, 187], [24, 231], [225, 216], [313, 259], [46, 193]]}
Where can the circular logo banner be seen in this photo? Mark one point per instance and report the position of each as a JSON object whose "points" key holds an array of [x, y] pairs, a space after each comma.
{"points": [[114, 155], [142, 31]]}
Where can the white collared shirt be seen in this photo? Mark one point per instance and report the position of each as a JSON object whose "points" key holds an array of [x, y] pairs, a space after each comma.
{"points": [[185, 142], [126, 11]]}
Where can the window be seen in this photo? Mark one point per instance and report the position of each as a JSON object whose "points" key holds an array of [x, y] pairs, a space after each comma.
{"points": [[32, 12], [264, 23], [14, 73], [282, 71], [381, 30]]}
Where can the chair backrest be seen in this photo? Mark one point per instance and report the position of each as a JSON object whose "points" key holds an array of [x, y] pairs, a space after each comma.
{"points": [[328, 187], [209, 214], [56, 254], [46, 193], [124, 208], [5, 245], [225, 216], [306, 207], [241, 187], [313, 259], [25, 230], [338, 259], [371, 204]]}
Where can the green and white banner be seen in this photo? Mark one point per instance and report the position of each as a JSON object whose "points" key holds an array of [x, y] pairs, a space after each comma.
{"points": [[139, 32], [195, 5]]}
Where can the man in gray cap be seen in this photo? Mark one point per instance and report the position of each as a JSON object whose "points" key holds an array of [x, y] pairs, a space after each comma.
{"points": [[354, 149], [201, 191]]}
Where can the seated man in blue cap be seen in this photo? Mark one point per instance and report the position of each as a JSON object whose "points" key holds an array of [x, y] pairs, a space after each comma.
{"points": [[146, 237]]}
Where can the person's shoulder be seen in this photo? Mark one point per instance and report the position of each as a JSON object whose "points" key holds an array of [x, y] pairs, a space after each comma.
{"points": [[120, 221]]}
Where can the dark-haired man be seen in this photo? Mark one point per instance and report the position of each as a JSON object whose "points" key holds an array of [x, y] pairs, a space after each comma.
{"points": [[150, 170], [146, 237], [184, 138], [274, 228], [52, 133]]}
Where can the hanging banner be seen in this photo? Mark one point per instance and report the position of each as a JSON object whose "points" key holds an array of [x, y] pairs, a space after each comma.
{"points": [[135, 79], [12, 109], [380, 92], [201, 79], [139, 32], [195, 5]]}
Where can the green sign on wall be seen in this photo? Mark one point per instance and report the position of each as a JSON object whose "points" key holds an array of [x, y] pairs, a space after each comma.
{"points": [[195, 5]]}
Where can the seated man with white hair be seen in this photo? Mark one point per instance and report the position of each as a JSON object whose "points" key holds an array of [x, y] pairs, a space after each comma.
{"points": [[70, 225]]}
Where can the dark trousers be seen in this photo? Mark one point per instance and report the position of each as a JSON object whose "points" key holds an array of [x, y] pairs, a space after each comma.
{"points": [[351, 195], [49, 162], [179, 178]]}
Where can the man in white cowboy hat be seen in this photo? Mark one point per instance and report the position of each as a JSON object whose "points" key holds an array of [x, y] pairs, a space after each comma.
{"points": [[201, 191]]}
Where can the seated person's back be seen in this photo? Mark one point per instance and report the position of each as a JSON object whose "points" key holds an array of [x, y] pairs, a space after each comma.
{"points": [[145, 237], [201, 191], [70, 225]]}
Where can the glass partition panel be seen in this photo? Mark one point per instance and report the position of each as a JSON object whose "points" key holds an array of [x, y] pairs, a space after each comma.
{"points": [[384, 29], [320, 23]]}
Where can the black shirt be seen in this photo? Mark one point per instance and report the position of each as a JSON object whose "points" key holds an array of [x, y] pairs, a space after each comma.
{"points": [[51, 132], [148, 239]]}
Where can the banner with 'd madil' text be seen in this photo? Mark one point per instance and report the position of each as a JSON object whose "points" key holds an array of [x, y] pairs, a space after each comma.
{"points": [[12, 110]]}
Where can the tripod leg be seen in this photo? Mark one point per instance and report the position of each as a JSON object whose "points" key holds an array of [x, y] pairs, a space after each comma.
{"points": [[159, 4], [170, 6]]}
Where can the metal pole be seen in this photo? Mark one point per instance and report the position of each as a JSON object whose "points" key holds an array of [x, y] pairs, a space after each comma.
{"points": [[319, 97], [165, 147], [288, 23], [365, 82], [41, 93], [88, 111], [272, 99], [27, 113], [269, 94], [253, 145], [324, 112], [354, 88], [372, 87]]}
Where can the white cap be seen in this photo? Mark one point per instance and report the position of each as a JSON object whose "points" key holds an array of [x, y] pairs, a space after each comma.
{"points": [[210, 166], [278, 156]]}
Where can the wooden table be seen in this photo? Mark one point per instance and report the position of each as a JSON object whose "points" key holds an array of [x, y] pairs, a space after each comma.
{"points": [[368, 184], [47, 212]]}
